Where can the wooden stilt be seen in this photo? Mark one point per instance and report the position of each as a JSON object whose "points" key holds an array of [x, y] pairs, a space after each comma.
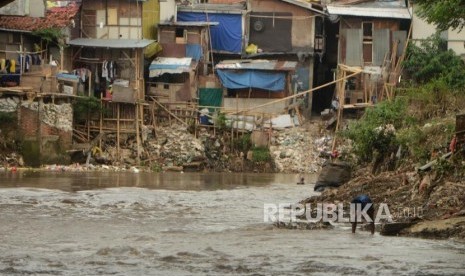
{"points": [[117, 131], [101, 122], [137, 133]]}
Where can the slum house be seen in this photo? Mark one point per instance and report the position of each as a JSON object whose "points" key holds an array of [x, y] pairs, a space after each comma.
{"points": [[226, 40], [371, 36], [28, 76], [252, 83], [115, 36], [252, 32], [287, 30], [186, 54]]}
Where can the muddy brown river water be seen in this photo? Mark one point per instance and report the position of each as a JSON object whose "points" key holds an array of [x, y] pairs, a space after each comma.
{"points": [[188, 224]]}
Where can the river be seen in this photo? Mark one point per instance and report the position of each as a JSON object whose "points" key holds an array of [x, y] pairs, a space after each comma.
{"points": [[187, 224]]}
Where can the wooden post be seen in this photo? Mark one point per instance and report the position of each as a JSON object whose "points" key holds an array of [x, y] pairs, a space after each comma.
{"points": [[101, 122], [62, 57], [137, 133], [90, 84], [117, 131], [154, 120]]}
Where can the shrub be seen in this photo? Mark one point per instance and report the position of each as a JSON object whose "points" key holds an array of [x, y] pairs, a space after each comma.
{"points": [[431, 60], [261, 154], [243, 143], [376, 131], [83, 107]]}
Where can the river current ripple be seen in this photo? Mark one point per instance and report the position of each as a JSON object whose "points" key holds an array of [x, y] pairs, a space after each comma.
{"points": [[188, 224]]}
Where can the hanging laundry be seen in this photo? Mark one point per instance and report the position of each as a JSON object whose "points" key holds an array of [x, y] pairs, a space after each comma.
{"points": [[28, 63], [7, 65], [20, 63], [97, 77], [36, 59], [2, 65], [13, 66], [105, 70]]}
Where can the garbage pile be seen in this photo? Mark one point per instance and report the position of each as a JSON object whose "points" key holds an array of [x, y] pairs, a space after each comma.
{"points": [[175, 146], [9, 104], [298, 149]]}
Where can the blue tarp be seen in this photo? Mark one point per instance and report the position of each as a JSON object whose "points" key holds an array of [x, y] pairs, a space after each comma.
{"points": [[227, 36], [233, 79], [194, 51]]}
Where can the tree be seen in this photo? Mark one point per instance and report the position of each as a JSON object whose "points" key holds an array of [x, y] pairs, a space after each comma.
{"points": [[444, 14], [431, 60]]}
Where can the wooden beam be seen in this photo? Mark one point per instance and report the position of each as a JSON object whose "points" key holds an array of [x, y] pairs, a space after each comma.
{"points": [[169, 112]]}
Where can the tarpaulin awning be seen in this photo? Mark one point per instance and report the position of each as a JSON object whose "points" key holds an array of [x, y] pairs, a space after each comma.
{"points": [[162, 65], [194, 51], [227, 36], [235, 79]]}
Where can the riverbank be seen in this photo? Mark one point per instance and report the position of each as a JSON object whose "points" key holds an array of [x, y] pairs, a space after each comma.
{"points": [[175, 148], [430, 210]]}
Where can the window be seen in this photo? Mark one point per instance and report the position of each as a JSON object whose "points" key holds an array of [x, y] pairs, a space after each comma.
{"points": [[367, 42], [181, 36], [367, 30]]}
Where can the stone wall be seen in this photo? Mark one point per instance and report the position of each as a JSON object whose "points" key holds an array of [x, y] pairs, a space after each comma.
{"points": [[46, 131]]}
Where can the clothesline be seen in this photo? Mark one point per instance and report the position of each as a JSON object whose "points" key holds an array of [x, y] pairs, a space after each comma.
{"points": [[19, 52]]}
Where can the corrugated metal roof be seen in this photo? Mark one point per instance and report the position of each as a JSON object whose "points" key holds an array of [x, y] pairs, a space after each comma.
{"points": [[392, 9], [305, 5], [254, 64], [214, 8], [169, 65], [189, 24], [111, 43]]}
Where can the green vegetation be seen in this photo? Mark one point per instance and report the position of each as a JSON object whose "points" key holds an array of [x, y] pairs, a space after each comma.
{"points": [[444, 14], [7, 117], [83, 107], [431, 61], [220, 121], [243, 144], [376, 131], [420, 122], [51, 35], [261, 154]]}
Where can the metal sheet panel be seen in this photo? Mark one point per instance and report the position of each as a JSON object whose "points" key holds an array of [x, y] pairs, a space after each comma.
{"points": [[354, 48], [111, 43], [400, 36], [399, 13], [381, 45]]}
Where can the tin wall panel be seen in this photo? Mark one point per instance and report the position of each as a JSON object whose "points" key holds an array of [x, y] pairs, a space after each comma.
{"points": [[381, 46], [354, 48]]}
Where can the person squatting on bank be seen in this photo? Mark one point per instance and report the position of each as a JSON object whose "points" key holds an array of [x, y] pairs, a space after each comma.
{"points": [[364, 200]]}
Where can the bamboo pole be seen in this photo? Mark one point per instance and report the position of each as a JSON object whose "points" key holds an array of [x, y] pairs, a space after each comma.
{"points": [[117, 131], [137, 133], [355, 72], [169, 112], [101, 121], [341, 96]]}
